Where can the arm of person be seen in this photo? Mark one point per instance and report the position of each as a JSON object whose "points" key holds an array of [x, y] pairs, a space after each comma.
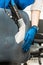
{"points": [[35, 16], [35, 12]]}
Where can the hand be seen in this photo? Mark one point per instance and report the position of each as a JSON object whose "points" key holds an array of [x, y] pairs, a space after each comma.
{"points": [[5, 3], [29, 37]]}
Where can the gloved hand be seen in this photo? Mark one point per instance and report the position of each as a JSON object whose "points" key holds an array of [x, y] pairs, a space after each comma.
{"points": [[29, 37], [5, 3]]}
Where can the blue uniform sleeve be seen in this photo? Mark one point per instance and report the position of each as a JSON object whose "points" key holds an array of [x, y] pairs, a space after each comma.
{"points": [[24, 3], [4, 3], [20, 3]]}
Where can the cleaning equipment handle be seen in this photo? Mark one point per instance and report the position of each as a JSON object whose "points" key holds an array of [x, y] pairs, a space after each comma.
{"points": [[15, 14]]}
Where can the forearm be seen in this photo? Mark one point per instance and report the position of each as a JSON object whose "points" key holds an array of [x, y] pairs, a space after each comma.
{"points": [[35, 12], [35, 16]]}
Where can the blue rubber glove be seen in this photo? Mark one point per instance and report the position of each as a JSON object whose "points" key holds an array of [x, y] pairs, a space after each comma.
{"points": [[29, 37], [5, 3]]}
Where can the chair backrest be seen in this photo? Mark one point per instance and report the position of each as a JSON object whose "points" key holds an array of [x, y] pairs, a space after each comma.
{"points": [[39, 36], [41, 26]]}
